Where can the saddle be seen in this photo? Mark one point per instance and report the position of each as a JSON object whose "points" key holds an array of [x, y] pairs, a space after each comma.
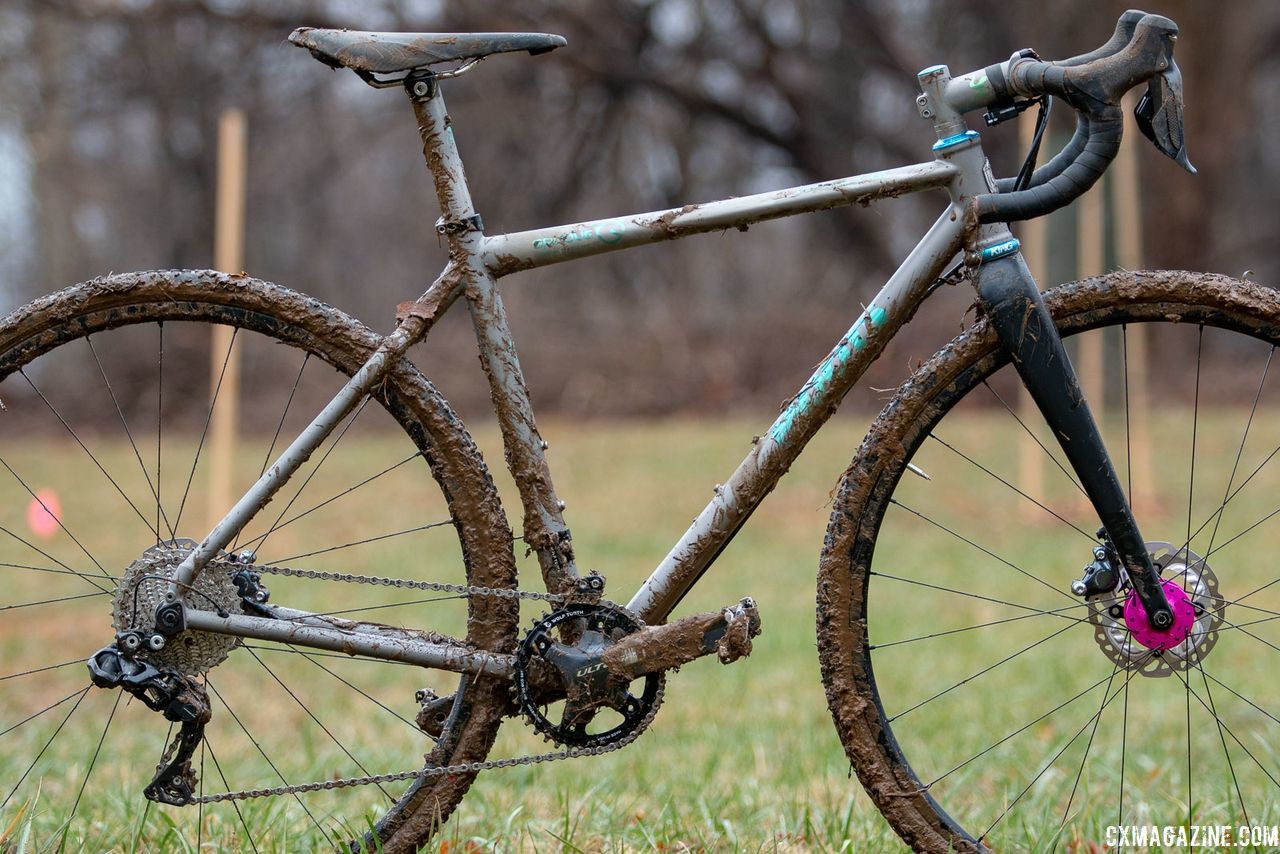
{"points": [[387, 53]]}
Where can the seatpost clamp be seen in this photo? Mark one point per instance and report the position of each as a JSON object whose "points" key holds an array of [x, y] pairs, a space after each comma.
{"points": [[421, 84], [449, 227]]}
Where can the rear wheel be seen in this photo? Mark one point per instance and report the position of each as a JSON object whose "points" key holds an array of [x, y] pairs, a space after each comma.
{"points": [[980, 701], [109, 446]]}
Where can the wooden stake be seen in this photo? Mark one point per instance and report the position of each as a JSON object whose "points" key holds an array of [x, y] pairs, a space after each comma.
{"points": [[228, 255], [1035, 252]]}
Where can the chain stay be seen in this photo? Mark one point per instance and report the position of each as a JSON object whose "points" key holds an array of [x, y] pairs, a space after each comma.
{"points": [[420, 773]]}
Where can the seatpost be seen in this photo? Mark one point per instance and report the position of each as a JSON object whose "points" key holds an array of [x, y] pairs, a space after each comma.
{"points": [[457, 213]]}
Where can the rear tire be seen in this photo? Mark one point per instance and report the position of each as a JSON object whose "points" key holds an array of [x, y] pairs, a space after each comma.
{"points": [[61, 344]]}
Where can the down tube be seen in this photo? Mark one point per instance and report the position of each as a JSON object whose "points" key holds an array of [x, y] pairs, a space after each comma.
{"points": [[803, 416]]}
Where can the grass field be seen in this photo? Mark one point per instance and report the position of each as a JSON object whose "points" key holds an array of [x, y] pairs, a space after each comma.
{"points": [[741, 757]]}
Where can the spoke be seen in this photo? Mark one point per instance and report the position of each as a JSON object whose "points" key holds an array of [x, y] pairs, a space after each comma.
{"points": [[1124, 744], [988, 471], [337, 655], [933, 635], [247, 835], [262, 540], [1070, 477], [309, 614], [1195, 421], [266, 460], [1261, 521], [364, 542], [1097, 719], [980, 673], [85, 448], [968, 595], [204, 432], [1237, 491], [1213, 707], [1190, 802], [982, 549], [1020, 730], [1044, 770], [76, 693], [264, 755], [1218, 513], [53, 516], [1228, 730], [310, 656], [81, 695], [334, 498], [318, 722], [31, 568], [160, 425], [1128, 431], [51, 601], [1241, 697], [133, 444], [200, 806], [42, 669], [66, 829], [46, 555]]}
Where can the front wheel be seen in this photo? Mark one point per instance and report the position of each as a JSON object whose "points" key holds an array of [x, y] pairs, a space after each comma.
{"points": [[982, 703], [112, 465]]}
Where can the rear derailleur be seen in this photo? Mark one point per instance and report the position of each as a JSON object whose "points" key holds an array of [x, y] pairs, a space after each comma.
{"points": [[180, 698], [597, 656]]}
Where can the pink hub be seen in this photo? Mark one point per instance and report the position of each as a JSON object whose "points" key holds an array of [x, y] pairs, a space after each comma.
{"points": [[1184, 618]]}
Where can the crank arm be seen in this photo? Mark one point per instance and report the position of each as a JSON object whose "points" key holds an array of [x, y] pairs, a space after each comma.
{"points": [[727, 633]]}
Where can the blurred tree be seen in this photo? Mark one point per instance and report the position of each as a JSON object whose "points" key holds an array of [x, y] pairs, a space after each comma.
{"points": [[108, 109]]}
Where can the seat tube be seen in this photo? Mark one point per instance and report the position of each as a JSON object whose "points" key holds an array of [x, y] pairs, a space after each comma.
{"points": [[545, 530]]}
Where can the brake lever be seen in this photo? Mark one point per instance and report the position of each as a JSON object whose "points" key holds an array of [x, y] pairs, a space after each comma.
{"points": [[1159, 115]]}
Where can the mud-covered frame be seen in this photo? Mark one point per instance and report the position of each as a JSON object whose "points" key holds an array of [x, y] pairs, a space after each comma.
{"points": [[477, 261]]}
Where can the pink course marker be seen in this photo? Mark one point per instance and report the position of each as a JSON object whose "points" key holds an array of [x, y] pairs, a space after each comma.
{"points": [[44, 513]]}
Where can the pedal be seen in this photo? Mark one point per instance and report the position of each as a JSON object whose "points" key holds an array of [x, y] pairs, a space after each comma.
{"points": [[727, 633]]}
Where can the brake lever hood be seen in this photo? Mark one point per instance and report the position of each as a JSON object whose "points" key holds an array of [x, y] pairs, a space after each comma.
{"points": [[1159, 115]]}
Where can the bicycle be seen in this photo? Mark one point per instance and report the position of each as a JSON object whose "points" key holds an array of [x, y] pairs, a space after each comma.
{"points": [[589, 673]]}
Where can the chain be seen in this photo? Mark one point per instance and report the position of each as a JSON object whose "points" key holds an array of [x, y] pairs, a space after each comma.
{"points": [[436, 771], [434, 586], [439, 770]]}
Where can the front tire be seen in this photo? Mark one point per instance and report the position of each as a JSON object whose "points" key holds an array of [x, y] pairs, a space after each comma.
{"points": [[968, 685]]}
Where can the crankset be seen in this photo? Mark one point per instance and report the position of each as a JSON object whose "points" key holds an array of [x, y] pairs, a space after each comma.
{"points": [[605, 671]]}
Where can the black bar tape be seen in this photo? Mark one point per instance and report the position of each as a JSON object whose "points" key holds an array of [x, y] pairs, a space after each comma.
{"points": [[1103, 143], [1093, 85], [1057, 164]]}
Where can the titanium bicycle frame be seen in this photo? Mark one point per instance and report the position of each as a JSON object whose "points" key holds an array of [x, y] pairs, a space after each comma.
{"points": [[477, 261]]}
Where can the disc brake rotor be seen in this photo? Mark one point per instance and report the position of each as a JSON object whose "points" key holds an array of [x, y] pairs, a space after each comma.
{"points": [[1191, 586]]}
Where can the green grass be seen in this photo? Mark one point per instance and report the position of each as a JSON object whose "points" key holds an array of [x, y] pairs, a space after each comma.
{"points": [[742, 757]]}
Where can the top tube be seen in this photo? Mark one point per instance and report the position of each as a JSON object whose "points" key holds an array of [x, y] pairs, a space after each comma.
{"points": [[523, 250]]}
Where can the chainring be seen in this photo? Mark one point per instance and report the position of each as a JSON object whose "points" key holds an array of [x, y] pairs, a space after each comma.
{"points": [[142, 589], [573, 664]]}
